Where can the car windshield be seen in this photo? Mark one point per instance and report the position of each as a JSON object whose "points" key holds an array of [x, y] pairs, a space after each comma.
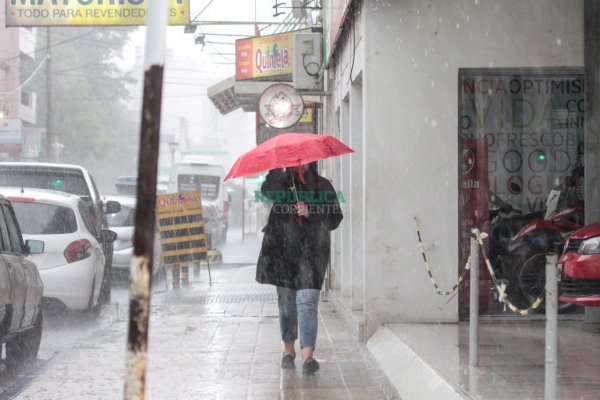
{"points": [[44, 219], [207, 185], [125, 217], [65, 180]]}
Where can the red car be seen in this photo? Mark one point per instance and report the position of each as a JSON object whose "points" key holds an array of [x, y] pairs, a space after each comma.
{"points": [[580, 267]]}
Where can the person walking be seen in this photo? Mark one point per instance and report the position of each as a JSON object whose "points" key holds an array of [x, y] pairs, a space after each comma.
{"points": [[295, 253]]}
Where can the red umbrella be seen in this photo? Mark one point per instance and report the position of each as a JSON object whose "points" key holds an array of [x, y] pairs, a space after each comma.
{"points": [[287, 150]]}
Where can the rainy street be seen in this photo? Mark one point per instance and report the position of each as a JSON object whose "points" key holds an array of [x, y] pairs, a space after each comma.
{"points": [[216, 342], [300, 199], [61, 333]]}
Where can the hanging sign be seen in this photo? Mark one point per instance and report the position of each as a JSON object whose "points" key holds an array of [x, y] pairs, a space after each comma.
{"points": [[88, 12], [280, 106]]}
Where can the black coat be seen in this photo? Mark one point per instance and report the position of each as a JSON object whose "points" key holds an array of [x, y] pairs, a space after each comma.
{"points": [[295, 250]]}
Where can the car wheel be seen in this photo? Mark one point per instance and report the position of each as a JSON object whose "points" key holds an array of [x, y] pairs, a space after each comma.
{"points": [[532, 281], [24, 347]]}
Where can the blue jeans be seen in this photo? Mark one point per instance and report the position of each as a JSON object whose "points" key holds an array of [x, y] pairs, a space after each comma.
{"points": [[298, 309]]}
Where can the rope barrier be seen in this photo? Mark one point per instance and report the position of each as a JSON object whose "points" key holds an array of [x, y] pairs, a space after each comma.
{"points": [[500, 287], [438, 290]]}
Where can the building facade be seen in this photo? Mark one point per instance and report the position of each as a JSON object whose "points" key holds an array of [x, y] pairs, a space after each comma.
{"points": [[398, 76]]}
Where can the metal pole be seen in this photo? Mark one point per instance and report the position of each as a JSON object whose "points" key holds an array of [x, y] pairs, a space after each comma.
{"points": [[474, 302], [141, 263], [49, 136], [243, 207], [551, 326]]}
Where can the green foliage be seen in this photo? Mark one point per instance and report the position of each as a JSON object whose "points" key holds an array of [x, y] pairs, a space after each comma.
{"points": [[89, 99]]}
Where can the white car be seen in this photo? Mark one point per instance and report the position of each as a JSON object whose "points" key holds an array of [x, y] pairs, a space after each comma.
{"points": [[123, 224], [72, 263]]}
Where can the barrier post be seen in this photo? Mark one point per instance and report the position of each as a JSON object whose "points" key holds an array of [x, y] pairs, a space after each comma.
{"points": [[551, 327], [175, 275], [474, 301], [185, 274]]}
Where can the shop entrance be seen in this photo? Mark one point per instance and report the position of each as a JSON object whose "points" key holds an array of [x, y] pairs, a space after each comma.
{"points": [[521, 141]]}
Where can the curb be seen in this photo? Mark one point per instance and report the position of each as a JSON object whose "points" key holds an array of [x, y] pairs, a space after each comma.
{"points": [[412, 377]]}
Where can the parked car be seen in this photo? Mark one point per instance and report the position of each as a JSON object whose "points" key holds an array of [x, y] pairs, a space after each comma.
{"points": [[72, 264], [20, 290], [580, 267], [123, 224], [72, 179]]}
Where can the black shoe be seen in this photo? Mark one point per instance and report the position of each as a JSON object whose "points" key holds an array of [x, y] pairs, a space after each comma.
{"points": [[287, 361], [310, 366]]}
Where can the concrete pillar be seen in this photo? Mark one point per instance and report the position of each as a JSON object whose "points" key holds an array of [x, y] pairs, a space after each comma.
{"points": [[346, 226], [354, 204]]}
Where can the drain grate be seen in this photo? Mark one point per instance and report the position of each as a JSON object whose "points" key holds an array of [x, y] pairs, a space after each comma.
{"points": [[220, 297]]}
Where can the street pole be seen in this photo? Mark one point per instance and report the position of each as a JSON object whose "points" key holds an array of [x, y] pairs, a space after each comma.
{"points": [[243, 207], [551, 327], [143, 241], [49, 136], [474, 302]]}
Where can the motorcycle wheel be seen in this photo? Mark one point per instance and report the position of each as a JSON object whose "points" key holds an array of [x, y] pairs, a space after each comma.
{"points": [[532, 281]]}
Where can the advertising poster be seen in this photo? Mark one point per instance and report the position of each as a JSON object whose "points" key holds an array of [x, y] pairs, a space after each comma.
{"points": [[181, 227], [10, 134], [532, 122], [88, 13], [265, 57]]}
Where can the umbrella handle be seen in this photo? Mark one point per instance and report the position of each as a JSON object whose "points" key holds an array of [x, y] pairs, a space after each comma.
{"points": [[296, 193], [294, 185]]}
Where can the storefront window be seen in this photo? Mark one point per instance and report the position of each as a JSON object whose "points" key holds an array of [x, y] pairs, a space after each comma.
{"points": [[521, 138]]}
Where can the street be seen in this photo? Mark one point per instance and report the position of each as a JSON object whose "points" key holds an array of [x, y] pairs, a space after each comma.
{"points": [[60, 334], [218, 341]]}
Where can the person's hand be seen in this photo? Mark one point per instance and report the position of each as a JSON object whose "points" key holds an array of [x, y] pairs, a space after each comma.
{"points": [[302, 209]]}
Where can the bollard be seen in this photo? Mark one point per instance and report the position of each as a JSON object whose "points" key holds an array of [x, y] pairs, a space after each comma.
{"points": [[551, 327], [185, 275], [196, 269], [175, 275], [474, 302]]}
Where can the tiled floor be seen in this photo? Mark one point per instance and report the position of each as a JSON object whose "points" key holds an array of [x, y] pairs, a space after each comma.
{"points": [[511, 358], [216, 342]]}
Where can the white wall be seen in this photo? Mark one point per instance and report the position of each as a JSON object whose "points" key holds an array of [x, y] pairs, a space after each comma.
{"points": [[412, 53]]}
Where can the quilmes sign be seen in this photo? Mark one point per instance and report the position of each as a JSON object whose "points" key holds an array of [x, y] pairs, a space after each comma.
{"points": [[265, 57], [88, 12], [181, 227]]}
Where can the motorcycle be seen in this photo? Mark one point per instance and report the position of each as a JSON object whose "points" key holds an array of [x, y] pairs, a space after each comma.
{"points": [[505, 221], [564, 214]]}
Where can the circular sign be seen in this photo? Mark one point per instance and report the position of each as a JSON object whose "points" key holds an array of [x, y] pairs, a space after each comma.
{"points": [[280, 106]]}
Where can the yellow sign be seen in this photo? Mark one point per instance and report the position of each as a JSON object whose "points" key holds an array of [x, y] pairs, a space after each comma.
{"points": [[88, 12], [264, 56], [181, 227]]}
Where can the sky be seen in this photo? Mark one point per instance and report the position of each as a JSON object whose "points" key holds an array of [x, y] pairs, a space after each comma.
{"points": [[190, 69]]}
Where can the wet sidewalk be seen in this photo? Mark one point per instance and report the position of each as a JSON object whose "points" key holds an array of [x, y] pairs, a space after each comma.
{"points": [[215, 342], [432, 360]]}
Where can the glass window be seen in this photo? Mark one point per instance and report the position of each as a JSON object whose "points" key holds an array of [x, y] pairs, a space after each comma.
{"points": [[63, 179], [4, 236], [43, 219], [125, 217], [87, 219], [16, 240], [207, 185]]}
